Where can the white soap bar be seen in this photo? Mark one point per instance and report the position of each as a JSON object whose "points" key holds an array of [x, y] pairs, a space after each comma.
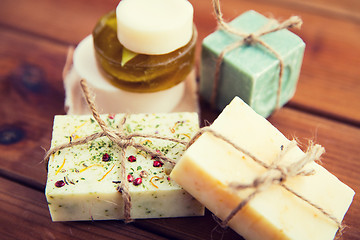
{"points": [[154, 27], [210, 165], [110, 99], [82, 183]]}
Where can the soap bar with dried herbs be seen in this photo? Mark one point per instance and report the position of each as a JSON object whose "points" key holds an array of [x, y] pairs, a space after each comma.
{"points": [[211, 167], [83, 180]]}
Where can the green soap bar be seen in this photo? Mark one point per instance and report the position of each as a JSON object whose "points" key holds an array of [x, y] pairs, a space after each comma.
{"points": [[251, 71]]}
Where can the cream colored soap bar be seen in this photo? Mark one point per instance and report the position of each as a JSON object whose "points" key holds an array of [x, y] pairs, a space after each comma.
{"points": [[154, 26], [210, 165], [82, 180]]}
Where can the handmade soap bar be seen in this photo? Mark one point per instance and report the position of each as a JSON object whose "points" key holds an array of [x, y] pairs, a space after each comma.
{"points": [[211, 165], [82, 180], [155, 26], [251, 72]]}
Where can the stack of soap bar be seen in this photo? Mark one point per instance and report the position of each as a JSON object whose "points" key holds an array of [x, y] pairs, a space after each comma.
{"points": [[111, 99], [251, 72], [139, 59], [82, 180], [210, 165]]}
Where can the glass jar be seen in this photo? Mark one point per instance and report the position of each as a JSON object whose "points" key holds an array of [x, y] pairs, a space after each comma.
{"points": [[143, 73]]}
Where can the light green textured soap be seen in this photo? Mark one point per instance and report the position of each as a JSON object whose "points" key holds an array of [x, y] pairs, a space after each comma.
{"points": [[82, 184], [251, 72]]}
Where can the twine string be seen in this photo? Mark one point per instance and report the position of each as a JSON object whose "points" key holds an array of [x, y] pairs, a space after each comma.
{"points": [[249, 39]]}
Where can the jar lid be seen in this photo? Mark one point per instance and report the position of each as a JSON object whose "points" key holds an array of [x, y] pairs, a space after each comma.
{"points": [[154, 27]]}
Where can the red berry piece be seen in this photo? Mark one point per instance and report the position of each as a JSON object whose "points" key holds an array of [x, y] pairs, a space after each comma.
{"points": [[130, 178], [131, 158], [60, 184], [137, 181], [106, 157], [168, 178], [157, 163], [111, 116]]}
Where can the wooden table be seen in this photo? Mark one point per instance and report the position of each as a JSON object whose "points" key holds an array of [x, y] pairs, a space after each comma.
{"points": [[34, 38]]}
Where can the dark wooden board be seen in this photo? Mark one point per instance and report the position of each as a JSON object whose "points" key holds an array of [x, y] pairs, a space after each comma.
{"points": [[24, 215], [31, 93], [35, 36]]}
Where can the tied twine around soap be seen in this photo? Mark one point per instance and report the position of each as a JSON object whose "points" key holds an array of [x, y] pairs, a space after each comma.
{"points": [[122, 140], [276, 173], [249, 39]]}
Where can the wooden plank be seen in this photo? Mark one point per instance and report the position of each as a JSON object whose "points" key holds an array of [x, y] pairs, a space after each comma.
{"points": [[31, 93], [189, 228], [345, 9], [67, 21], [59, 17], [329, 82], [24, 215], [28, 208]]}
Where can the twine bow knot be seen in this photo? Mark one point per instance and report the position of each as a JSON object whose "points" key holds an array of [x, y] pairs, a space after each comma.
{"points": [[249, 39], [278, 174]]}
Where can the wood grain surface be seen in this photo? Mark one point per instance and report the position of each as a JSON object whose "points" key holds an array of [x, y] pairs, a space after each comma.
{"points": [[34, 40]]}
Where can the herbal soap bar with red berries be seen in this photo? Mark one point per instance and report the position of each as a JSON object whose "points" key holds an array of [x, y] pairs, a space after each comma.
{"points": [[82, 180], [209, 165], [251, 72]]}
